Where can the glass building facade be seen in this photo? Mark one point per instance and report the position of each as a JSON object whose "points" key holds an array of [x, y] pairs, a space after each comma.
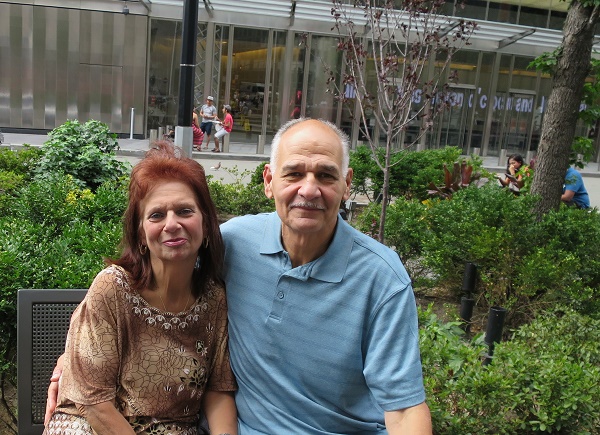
{"points": [[267, 59]]}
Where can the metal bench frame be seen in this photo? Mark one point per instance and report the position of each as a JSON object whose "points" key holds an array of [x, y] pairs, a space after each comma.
{"points": [[43, 317]]}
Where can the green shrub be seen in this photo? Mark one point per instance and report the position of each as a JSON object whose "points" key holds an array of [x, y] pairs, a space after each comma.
{"points": [[546, 379], [84, 151], [524, 265], [21, 162], [16, 168], [257, 175], [238, 198], [487, 226], [53, 235], [410, 173], [405, 231]]}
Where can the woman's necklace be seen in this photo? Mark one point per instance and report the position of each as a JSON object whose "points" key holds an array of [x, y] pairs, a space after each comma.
{"points": [[187, 303]]}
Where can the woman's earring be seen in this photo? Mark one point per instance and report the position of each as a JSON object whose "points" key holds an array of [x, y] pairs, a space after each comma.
{"points": [[143, 249], [206, 242]]}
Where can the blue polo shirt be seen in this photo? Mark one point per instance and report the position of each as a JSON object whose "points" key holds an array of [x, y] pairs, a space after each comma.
{"points": [[323, 348], [574, 182]]}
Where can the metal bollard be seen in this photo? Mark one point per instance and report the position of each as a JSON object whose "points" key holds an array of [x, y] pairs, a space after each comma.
{"points": [[153, 136], [502, 158], [466, 312], [493, 332], [131, 123], [469, 278]]}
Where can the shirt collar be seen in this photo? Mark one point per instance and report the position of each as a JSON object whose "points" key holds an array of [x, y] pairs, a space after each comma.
{"points": [[329, 267]]}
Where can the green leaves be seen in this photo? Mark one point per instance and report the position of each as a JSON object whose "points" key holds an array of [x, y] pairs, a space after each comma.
{"points": [[84, 151], [545, 379], [238, 198], [410, 172], [523, 263], [53, 234]]}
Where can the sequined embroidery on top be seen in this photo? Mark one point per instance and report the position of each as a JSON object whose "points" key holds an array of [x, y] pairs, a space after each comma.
{"points": [[152, 315]]}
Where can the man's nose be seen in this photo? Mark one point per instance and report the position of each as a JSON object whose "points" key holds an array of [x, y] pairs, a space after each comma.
{"points": [[310, 187]]}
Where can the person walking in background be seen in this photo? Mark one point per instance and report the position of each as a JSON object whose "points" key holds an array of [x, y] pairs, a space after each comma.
{"points": [[226, 126], [147, 349], [208, 112], [574, 192]]}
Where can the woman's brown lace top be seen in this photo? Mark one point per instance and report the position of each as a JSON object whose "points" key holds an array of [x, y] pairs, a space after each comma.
{"points": [[155, 365]]}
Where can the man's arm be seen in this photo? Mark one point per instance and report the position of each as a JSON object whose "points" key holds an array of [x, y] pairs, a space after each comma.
{"points": [[567, 196], [53, 389], [415, 420]]}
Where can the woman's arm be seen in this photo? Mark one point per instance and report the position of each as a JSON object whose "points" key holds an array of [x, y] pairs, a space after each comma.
{"points": [[106, 419], [220, 411]]}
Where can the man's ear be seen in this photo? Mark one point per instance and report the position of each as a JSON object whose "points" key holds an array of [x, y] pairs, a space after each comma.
{"points": [[348, 180], [267, 179]]}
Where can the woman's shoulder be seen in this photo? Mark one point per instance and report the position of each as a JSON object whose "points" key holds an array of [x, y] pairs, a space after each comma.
{"points": [[112, 279], [215, 292]]}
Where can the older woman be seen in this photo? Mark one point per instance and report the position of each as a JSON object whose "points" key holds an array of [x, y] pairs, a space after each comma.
{"points": [[147, 348]]}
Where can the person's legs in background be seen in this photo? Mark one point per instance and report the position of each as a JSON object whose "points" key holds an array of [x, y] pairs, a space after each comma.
{"points": [[206, 128], [218, 135]]}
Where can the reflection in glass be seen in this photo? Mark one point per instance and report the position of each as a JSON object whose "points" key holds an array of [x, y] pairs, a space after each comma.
{"points": [[324, 55], [163, 75], [248, 82]]}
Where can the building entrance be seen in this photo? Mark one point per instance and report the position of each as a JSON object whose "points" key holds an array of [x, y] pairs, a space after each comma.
{"points": [[455, 122], [517, 109]]}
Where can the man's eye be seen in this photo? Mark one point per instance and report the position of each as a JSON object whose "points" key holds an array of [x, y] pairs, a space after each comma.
{"points": [[327, 176]]}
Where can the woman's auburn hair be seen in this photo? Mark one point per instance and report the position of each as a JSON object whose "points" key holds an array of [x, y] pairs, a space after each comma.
{"points": [[164, 163]]}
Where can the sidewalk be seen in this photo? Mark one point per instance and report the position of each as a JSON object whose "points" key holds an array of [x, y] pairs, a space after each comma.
{"points": [[243, 157]]}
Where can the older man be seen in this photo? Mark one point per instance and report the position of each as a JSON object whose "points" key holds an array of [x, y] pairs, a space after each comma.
{"points": [[322, 319]]}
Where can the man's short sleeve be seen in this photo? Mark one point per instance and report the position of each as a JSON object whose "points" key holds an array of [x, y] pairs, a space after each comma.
{"points": [[393, 362]]}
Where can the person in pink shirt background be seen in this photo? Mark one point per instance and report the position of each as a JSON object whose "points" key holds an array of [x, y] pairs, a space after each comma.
{"points": [[226, 124]]}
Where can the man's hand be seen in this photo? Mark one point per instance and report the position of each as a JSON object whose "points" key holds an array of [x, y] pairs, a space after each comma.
{"points": [[53, 389]]}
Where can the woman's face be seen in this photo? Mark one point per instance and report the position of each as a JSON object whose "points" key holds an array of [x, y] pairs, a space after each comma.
{"points": [[514, 163], [172, 224]]}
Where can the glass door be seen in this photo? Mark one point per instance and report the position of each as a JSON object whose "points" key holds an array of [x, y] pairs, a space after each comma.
{"points": [[517, 114], [454, 122]]}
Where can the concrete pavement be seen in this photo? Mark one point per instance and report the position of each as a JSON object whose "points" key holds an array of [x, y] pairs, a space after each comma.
{"points": [[243, 156]]}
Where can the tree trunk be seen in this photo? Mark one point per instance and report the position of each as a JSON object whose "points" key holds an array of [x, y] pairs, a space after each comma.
{"points": [[386, 192], [558, 130]]}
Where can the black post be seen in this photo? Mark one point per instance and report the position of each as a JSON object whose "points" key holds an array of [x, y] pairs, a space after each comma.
{"points": [[188, 63], [466, 312], [493, 332], [467, 302], [469, 279]]}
